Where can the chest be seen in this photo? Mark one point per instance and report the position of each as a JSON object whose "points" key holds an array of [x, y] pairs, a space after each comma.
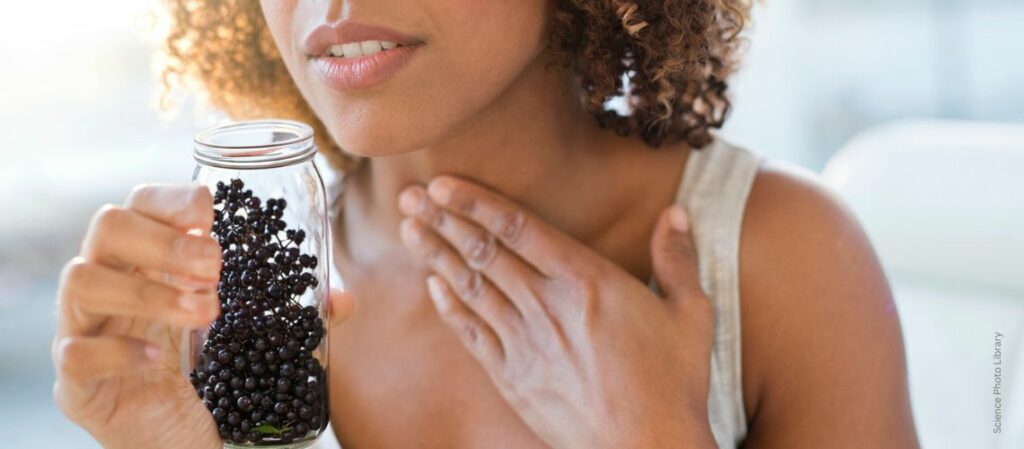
{"points": [[399, 376], [400, 379]]}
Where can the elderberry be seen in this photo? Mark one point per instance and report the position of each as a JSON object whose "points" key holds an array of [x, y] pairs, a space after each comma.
{"points": [[256, 373]]}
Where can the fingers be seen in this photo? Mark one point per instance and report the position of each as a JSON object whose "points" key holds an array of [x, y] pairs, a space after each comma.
{"points": [[468, 285], [90, 292], [182, 206], [675, 258], [183, 282], [477, 247], [83, 361], [122, 238], [474, 333], [537, 242], [341, 306], [80, 360]]}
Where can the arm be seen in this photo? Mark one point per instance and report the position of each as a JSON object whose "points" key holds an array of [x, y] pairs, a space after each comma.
{"points": [[823, 357]]}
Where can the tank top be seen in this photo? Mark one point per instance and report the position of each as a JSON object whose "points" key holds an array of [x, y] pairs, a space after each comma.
{"points": [[713, 190]]}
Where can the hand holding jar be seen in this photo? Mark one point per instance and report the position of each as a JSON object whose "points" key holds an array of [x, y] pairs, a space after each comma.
{"points": [[164, 269]]}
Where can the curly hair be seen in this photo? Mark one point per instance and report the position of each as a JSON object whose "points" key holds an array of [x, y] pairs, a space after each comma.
{"points": [[675, 54]]}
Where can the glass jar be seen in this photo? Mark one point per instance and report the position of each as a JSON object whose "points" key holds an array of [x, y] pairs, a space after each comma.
{"points": [[261, 367]]}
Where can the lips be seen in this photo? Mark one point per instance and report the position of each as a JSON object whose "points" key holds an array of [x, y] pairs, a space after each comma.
{"points": [[350, 56]]}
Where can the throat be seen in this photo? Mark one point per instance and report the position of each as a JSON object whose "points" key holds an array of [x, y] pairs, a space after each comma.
{"points": [[536, 145], [607, 199]]}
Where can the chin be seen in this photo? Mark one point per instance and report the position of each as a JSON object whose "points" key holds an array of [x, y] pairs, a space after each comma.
{"points": [[384, 138], [386, 122], [377, 131]]}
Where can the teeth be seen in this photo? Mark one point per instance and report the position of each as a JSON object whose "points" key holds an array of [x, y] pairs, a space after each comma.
{"points": [[370, 47], [357, 49], [352, 50]]}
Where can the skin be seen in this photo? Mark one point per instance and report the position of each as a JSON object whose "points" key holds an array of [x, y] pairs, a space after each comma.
{"points": [[535, 330]]}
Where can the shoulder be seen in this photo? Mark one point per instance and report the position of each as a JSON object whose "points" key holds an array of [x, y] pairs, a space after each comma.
{"points": [[788, 208], [821, 341]]}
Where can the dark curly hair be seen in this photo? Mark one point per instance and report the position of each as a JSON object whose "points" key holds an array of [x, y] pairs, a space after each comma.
{"points": [[676, 55]]}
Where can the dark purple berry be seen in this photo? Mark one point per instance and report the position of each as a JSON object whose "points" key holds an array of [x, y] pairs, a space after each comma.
{"points": [[244, 404], [255, 367]]}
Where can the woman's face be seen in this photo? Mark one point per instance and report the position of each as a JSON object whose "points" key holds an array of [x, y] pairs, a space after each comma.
{"points": [[462, 54]]}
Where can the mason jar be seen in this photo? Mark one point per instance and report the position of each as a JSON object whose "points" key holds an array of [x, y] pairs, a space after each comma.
{"points": [[261, 366]]}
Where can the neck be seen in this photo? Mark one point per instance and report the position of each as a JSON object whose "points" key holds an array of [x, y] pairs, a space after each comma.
{"points": [[529, 144]]}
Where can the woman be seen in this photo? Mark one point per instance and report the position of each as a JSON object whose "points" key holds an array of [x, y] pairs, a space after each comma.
{"points": [[531, 270]]}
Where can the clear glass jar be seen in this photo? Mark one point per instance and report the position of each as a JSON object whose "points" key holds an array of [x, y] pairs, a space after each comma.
{"points": [[261, 367]]}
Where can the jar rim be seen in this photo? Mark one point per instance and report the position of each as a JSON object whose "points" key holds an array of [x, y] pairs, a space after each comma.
{"points": [[255, 144]]}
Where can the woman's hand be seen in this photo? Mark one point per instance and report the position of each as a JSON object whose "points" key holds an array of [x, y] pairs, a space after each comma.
{"points": [[147, 271], [140, 279], [585, 353]]}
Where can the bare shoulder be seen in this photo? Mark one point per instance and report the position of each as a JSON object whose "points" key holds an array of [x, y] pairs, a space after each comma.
{"points": [[823, 357]]}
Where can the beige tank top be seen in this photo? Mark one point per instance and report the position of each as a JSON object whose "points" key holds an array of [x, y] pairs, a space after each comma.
{"points": [[714, 190]]}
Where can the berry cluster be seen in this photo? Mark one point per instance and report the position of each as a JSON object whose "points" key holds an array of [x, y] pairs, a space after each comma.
{"points": [[256, 373]]}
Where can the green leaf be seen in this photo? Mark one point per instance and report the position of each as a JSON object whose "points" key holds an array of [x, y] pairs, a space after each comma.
{"points": [[268, 428]]}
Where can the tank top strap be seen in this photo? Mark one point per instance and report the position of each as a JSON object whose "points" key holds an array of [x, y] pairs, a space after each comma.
{"points": [[713, 190]]}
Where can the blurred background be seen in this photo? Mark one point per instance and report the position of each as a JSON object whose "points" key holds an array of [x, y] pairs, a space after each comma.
{"points": [[912, 111]]}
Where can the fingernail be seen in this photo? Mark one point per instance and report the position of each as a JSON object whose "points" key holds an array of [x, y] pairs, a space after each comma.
{"points": [[201, 247], [411, 200], [190, 283], [436, 291], [195, 303], [202, 256], [677, 218], [153, 352], [410, 232], [433, 287], [440, 190]]}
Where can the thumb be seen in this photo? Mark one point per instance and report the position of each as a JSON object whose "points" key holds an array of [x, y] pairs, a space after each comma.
{"points": [[674, 256], [341, 306]]}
